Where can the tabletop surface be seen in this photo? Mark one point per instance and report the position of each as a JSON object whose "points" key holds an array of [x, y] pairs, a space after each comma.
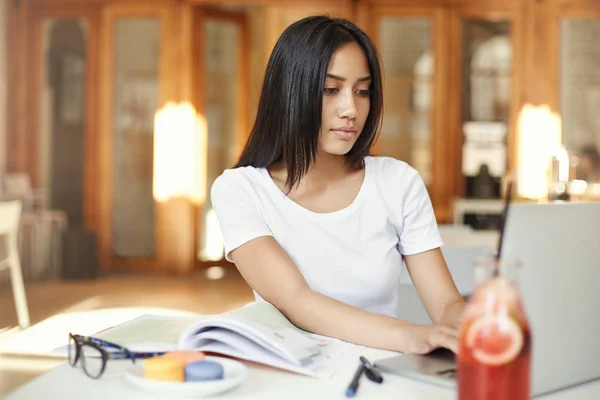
{"points": [[66, 383]]}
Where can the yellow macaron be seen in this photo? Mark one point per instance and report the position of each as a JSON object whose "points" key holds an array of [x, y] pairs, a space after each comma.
{"points": [[164, 369]]}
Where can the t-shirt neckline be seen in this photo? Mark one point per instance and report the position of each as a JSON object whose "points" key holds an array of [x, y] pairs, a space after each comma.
{"points": [[334, 214]]}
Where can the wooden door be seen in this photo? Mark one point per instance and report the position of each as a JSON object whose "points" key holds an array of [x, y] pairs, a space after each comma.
{"points": [[222, 77], [473, 28], [414, 53], [139, 73], [573, 84], [59, 135]]}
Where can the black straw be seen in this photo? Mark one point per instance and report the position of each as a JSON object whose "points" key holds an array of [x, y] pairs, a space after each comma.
{"points": [[503, 222]]}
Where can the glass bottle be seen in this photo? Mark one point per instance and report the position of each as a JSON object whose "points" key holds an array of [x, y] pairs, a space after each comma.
{"points": [[494, 357]]}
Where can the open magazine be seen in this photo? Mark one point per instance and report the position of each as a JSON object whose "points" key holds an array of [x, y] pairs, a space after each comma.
{"points": [[257, 332]]}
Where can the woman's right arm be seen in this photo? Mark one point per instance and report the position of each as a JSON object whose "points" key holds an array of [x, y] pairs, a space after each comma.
{"points": [[271, 272], [273, 275]]}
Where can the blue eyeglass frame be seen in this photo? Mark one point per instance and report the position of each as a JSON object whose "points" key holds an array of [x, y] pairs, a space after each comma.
{"points": [[122, 354]]}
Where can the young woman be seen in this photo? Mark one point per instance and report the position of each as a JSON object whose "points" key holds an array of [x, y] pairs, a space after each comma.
{"points": [[316, 226]]}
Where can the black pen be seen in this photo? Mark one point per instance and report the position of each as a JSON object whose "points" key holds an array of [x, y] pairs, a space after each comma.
{"points": [[370, 371], [353, 387]]}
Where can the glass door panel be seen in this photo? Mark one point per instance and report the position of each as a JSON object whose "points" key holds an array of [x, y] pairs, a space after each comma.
{"points": [[135, 102], [580, 95], [486, 68], [62, 116], [222, 80], [408, 91]]}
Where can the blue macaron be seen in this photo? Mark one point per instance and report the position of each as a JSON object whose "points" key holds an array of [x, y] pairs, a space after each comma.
{"points": [[203, 370]]}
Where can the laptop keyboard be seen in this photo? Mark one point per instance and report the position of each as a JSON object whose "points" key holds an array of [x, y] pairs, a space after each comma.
{"points": [[447, 373]]}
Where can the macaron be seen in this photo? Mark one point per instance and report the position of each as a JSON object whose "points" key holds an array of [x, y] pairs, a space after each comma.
{"points": [[203, 370], [186, 356], [164, 369]]}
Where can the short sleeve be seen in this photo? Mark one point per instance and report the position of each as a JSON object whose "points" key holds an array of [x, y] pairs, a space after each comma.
{"points": [[239, 216], [414, 217], [408, 203]]}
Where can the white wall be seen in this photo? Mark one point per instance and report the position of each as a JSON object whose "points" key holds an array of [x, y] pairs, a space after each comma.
{"points": [[3, 80]]}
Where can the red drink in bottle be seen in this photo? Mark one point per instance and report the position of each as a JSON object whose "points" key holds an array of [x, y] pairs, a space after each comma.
{"points": [[494, 357]]}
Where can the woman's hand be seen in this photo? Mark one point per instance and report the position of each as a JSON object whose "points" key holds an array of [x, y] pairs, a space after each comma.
{"points": [[422, 339]]}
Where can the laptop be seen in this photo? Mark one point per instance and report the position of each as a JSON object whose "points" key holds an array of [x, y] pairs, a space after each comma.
{"points": [[558, 246]]}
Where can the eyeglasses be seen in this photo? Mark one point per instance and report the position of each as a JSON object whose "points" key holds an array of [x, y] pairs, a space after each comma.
{"points": [[90, 351]]}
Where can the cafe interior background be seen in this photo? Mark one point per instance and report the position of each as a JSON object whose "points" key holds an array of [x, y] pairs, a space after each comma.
{"points": [[116, 117]]}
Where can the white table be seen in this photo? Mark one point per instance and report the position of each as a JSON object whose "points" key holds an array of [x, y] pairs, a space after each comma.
{"points": [[66, 383]]}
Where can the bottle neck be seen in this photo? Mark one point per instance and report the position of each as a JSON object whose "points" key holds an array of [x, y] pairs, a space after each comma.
{"points": [[488, 268]]}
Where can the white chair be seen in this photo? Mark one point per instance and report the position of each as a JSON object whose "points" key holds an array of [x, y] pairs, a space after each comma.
{"points": [[17, 186], [10, 215]]}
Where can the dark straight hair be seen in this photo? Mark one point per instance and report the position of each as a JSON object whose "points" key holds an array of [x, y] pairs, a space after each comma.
{"points": [[289, 116]]}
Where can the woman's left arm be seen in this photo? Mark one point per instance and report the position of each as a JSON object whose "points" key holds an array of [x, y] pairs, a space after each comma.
{"points": [[435, 286]]}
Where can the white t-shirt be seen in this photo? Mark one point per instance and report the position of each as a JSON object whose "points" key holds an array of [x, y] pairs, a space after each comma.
{"points": [[353, 255]]}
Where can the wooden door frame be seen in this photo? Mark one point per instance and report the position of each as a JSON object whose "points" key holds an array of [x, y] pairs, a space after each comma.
{"points": [[201, 14], [201, 11], [242, 131], [442, 149], [168, 250], [447, 139], [511, 11], [16, 117], [557, 10], [91, 13]]}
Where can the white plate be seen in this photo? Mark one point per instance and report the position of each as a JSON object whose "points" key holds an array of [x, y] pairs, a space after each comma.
{"points": [[233, 375]]}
